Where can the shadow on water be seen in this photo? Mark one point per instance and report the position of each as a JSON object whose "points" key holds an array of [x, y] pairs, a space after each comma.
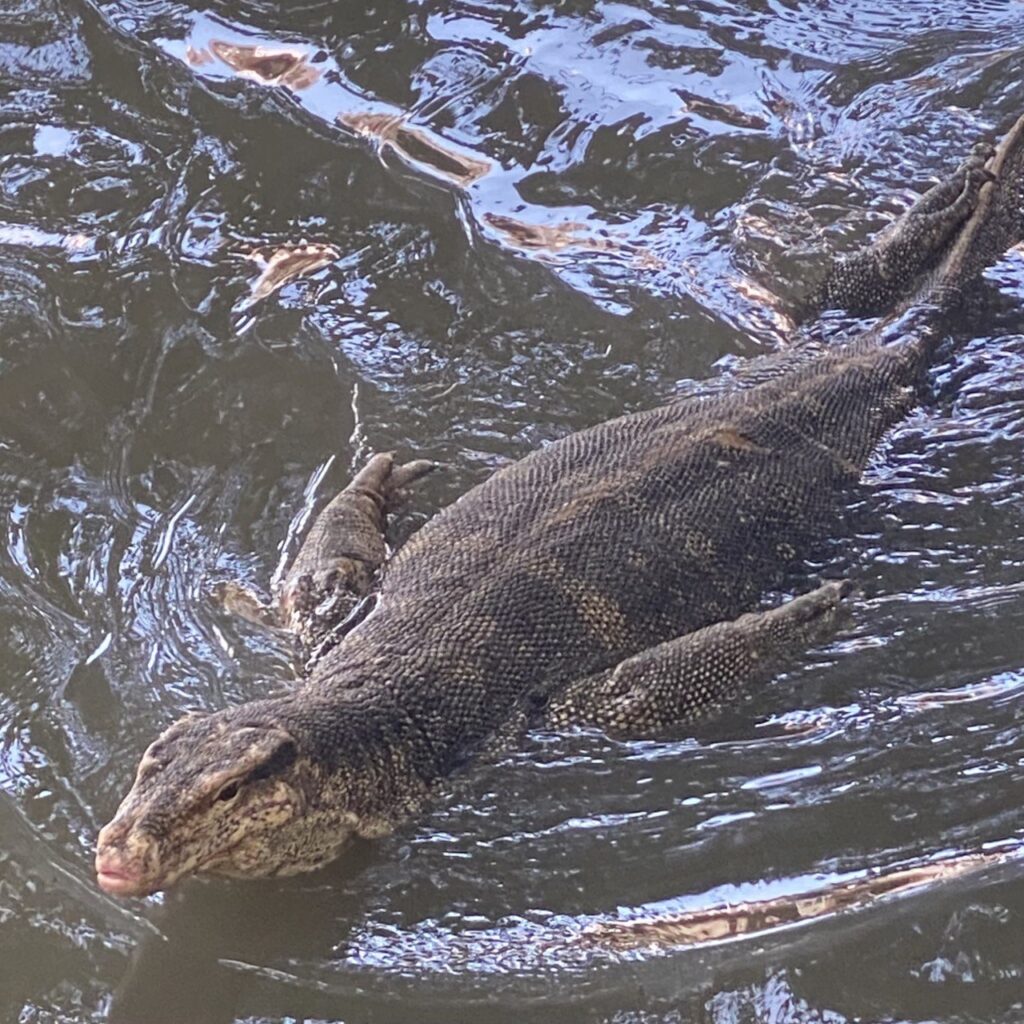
{"points": [[244, 244], [210, 934]]}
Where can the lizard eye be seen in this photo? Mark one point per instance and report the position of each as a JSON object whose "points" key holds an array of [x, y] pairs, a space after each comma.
{"points": [[229, 792]]}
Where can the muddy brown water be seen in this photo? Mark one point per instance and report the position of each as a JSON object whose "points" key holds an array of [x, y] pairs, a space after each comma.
{"points": [[243, 245]]}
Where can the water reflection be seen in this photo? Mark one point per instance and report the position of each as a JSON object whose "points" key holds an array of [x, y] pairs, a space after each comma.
{"points": [[283, 264], [267, 66], [242, 244]]}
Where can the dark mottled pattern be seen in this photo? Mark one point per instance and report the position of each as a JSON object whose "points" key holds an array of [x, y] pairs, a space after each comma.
{"points": [[654, 525], [896, 266], [629, 540], [614, 539]]}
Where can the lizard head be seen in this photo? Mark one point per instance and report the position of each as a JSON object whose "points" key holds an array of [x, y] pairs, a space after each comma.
{"points": [[229, 793]]}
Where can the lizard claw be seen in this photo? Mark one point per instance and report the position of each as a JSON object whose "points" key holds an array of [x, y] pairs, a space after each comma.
{"points": [[982, 152], [403, 477], [386, 482], [239, 600]]}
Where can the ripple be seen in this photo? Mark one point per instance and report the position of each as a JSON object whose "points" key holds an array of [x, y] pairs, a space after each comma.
{"points": [[242, 244]]}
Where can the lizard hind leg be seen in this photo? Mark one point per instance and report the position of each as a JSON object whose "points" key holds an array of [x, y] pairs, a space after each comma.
{"points": [[693, 675], [876, 279]]}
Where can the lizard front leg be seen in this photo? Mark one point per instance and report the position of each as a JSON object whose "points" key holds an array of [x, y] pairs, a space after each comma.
{"points": [[338, 560], [343, 550], [695, 674]]}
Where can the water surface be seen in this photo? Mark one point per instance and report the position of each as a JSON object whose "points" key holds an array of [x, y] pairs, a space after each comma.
{"points": [[243, 245]]}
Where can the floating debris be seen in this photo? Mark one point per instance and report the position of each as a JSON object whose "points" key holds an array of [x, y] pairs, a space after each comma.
{"points": [[285, 263], [264, 64], [554, 238], [418, 146], [721, 113]]}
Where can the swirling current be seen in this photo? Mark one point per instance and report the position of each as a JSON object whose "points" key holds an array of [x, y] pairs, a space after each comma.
{"points": [[245, 244]]}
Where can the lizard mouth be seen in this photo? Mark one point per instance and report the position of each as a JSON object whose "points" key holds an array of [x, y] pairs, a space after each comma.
{"points": [[119, 883], [117, 876], [128, 862]]}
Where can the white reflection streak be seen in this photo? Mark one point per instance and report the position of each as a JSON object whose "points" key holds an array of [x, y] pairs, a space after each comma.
{"points": [[29, 236], [101, 648], [167, 535], [297, 526]]}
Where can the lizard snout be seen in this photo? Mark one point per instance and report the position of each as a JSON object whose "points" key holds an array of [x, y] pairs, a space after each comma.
{"points": [[127, 861]]}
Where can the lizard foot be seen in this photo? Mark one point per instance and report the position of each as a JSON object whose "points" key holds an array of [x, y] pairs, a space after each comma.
{"points": [[239, 600], [387, 483], [686, 678]]}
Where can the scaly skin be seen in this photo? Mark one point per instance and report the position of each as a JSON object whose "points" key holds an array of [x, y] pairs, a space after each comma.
{"points": [[874, 281], [613, 577], [337, 563]]}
